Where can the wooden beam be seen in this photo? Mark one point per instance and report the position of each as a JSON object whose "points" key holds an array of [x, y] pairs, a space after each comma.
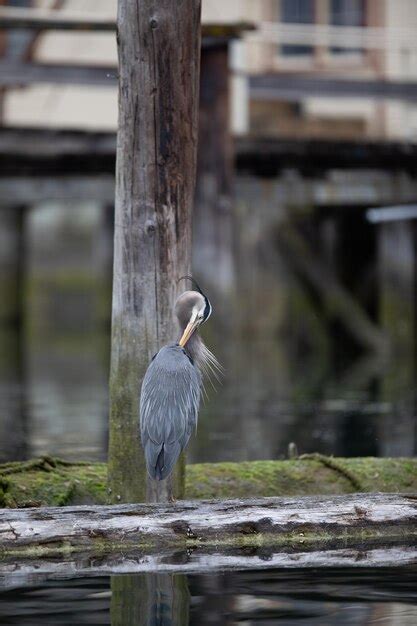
{"points": [[159, 54], [32, 189], [41, 19], [263, 87], [64, 181], [48, 150], [48, 154], [280, 86], [269, 156], [20, 73], [42, 143], [215, 526], [44, 19]]}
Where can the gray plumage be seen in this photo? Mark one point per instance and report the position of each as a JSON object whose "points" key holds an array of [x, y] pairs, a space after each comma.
{"points": [[169, 410], [171, 389]]}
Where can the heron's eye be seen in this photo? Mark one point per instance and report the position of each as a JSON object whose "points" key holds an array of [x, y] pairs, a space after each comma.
{"points": [[207, 311]]}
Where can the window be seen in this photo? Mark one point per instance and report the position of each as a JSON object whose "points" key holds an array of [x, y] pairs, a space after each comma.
{"points": [[347, 13], [297, 12]]}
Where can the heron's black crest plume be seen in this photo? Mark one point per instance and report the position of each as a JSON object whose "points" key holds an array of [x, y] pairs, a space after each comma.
{"points": [[195, 284]]}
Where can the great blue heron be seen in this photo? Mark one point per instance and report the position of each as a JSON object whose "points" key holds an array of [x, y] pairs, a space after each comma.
{"points": [[171, 388]]}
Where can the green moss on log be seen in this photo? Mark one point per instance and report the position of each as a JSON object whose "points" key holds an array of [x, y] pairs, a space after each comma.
{"points": [[53, 482], [309, 475]]}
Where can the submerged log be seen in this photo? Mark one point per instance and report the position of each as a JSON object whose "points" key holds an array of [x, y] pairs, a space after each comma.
{"points": [[216, 525], [52, 482]]}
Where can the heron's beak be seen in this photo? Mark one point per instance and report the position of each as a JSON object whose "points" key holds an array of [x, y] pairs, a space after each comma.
{"points": [[189, 329]]}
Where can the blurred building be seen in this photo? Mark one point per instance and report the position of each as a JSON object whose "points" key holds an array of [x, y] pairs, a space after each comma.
{"points": [[341, 39], [359, 40]]}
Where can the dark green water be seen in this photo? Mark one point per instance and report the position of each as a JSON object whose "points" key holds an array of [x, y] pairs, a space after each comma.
{"points": [[53, 400], [291, 373]]}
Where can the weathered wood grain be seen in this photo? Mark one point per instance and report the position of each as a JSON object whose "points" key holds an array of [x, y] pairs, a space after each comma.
{"points": [[218, 526], [159, 57]]}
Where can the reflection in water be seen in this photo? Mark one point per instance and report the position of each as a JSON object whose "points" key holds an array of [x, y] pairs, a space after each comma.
{"points": [[310, 597], [14, 434], [150, 600]]}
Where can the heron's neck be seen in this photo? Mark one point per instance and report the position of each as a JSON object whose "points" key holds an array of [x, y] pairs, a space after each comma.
{"points": [[195, 348]]}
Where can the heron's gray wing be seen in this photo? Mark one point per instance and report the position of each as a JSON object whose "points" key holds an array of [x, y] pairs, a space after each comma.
{"points": [[169, 403]]}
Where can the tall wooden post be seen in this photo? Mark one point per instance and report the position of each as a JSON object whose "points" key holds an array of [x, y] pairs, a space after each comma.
{"points": [[103, 260], [12, 253], [397, 245], [159, 57], [13, 429]]}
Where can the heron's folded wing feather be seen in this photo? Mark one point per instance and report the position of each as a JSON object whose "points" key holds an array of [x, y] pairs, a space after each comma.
{"points": [[170, 398]]}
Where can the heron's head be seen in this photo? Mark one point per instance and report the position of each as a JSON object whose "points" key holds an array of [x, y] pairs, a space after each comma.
{"points": [[192, 309]]}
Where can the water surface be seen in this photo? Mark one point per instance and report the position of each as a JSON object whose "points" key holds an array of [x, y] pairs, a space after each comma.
{"points": [[324, 597]]}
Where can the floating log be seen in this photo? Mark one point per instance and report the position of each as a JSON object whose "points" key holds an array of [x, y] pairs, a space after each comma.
{"points": [[52, 482], [216, 526]]}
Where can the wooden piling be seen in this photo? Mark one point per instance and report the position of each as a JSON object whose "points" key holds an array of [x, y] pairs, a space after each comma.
{"points": [[213, 223], [103, 260], [12, 253], [159, 57]]}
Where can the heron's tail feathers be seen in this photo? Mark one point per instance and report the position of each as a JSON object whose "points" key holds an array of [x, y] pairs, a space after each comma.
{"points": [[161, 458]]}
